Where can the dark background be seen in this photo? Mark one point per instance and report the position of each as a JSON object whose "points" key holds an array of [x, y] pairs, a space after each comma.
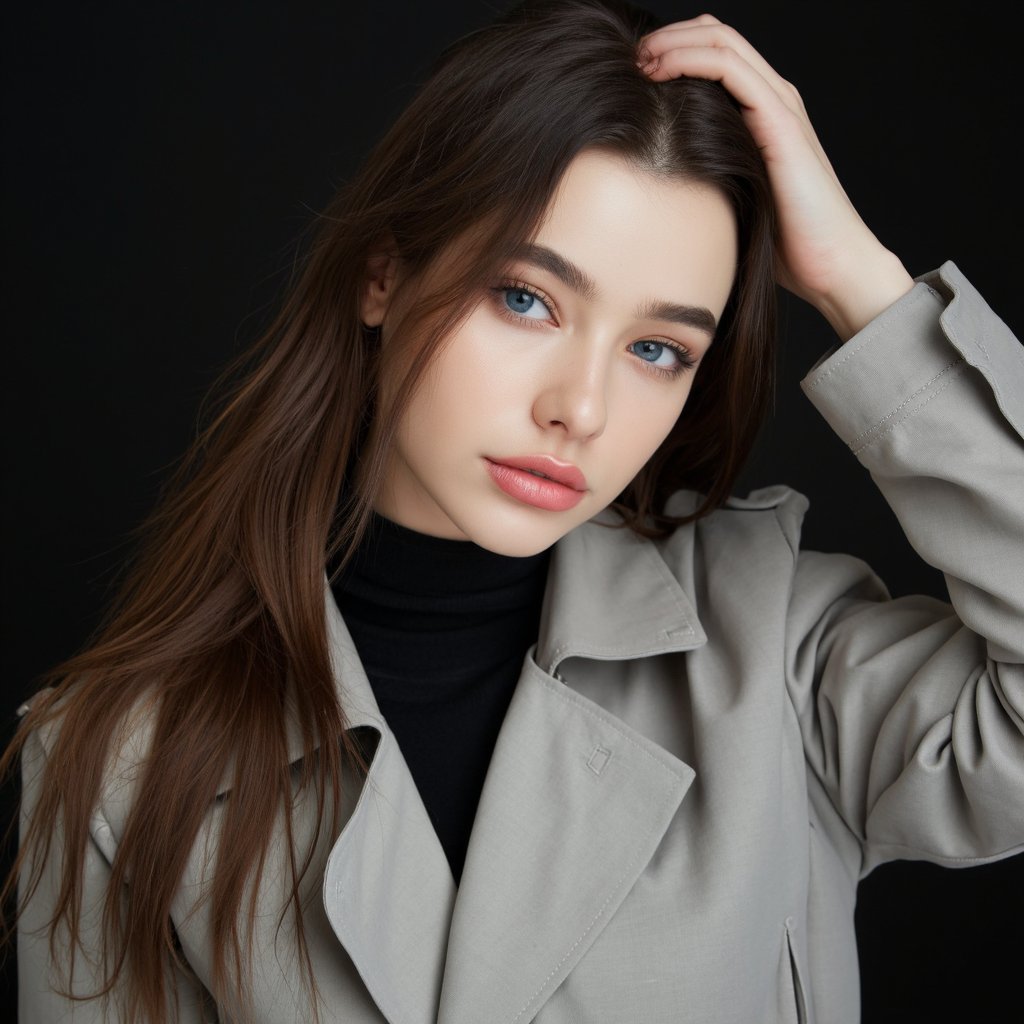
{"points": [[163, 160]]}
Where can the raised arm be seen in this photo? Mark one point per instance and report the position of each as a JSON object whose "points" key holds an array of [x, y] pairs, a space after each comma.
{"points": [[911, 710]]}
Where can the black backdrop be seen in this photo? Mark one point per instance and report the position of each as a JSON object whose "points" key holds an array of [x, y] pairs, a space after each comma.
{"points": [[161, 162]]}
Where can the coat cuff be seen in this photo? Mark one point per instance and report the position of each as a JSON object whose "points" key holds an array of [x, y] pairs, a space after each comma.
{"points": [[911, 351]]}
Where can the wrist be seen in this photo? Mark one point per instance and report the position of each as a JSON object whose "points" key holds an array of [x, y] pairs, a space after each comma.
{"points": [[874, 283]]}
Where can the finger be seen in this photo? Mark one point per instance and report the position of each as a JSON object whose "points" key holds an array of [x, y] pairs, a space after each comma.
{"points": [[708, 31], [721, 64], [773, 118], [745, 82]]}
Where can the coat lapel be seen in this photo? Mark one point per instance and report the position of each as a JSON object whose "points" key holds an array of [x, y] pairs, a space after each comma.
{"points": [[388, 890], [573, 808], [575, 801]]}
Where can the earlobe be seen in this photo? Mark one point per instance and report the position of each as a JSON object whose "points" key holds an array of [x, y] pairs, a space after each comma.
{"points": [[379, 284]]}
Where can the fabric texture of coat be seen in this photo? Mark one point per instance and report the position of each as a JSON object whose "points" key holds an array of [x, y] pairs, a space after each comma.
{"points": [[715, 737]]}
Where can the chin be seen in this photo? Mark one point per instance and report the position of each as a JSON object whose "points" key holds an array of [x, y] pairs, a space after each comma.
{"points": [[520, 547], [521, 536]]}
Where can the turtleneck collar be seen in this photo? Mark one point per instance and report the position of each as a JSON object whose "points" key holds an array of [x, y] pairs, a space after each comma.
{"points": [[413, 564], [435, 611]]}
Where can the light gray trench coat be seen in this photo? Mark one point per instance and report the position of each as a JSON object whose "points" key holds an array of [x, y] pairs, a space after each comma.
{"points": [[713, 739]]}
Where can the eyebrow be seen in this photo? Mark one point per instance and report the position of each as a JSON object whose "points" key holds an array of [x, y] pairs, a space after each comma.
{"points": [[580, 282]]}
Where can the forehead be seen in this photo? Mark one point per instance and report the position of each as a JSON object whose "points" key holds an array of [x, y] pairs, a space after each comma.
{"points": [[640, 236]]}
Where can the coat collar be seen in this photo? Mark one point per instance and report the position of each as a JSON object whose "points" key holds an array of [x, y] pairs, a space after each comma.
{"points": [[573, 806], [609, 596]]}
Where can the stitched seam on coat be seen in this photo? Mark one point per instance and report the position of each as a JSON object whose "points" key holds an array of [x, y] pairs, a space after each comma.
{"points": [[872, 337], [835, 369], [962, 364], [924, 387]]}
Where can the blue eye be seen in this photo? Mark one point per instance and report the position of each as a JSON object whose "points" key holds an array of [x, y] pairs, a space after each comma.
{"points": [[521, 300], [522, 305], [655, 353]]}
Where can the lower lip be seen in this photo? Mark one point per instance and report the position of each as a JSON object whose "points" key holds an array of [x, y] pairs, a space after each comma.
{"points": [[533, 490]]}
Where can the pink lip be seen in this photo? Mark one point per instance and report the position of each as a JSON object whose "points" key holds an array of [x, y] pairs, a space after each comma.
{"points": [[561, 472], [564, 489]]}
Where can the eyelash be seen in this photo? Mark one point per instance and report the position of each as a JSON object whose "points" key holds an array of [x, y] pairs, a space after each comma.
{"points": [[686, 360]]}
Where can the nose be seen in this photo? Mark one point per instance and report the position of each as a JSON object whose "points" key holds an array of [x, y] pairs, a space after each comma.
{"points": [[573, 398]]}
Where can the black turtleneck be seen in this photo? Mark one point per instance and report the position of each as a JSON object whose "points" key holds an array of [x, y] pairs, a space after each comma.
{"points": [[441, 627]]}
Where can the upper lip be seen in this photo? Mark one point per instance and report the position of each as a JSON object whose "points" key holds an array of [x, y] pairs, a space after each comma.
{"points": [[561, 472]]}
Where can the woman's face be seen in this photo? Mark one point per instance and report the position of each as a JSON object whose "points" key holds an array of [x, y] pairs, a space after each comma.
{"points": [[574, 365]]}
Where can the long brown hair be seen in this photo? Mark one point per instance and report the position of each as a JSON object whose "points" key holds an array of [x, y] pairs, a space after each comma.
{"points": [[218, 633]]}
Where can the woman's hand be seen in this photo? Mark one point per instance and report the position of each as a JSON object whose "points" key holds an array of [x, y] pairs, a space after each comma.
{"points": [[827, 254]]}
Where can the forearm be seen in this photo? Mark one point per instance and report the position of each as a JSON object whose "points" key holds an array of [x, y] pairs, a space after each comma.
{"points": [[930, 398]]}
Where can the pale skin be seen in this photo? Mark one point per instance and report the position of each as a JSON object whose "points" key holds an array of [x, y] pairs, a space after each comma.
{"points": [[582, 379], [540, 369]]}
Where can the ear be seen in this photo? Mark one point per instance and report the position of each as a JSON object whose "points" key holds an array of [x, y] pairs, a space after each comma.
{"points": [[382, 272]]}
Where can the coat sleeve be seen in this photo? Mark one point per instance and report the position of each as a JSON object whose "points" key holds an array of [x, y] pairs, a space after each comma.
{"points": [[42, 977], [912, 710]]}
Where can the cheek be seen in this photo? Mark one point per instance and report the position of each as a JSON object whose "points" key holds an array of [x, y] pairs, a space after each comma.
{"points": [[648, 419], [457, 396], [480, 373]]}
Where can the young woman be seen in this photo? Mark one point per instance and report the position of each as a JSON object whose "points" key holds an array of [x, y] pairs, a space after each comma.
{"points": [[454, 682]]}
